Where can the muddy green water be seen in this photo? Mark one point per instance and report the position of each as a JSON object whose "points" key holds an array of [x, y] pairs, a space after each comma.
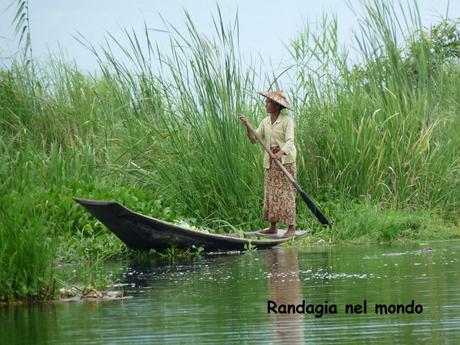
{"points": [[224, 299]]}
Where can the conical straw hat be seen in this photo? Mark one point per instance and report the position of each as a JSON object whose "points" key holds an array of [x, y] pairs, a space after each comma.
{"points": [[278, 97]]}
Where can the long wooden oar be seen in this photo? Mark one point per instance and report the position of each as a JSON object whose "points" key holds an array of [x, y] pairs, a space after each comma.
{"points": [[311, 205]]}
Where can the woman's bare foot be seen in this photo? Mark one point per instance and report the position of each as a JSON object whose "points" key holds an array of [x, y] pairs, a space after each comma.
{"points": [[290, 232], [272, 230]]}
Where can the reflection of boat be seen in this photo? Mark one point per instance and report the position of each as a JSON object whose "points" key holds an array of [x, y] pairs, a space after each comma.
{"points": [[141, 232]]}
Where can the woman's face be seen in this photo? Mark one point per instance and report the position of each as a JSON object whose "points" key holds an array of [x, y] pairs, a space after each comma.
{"points": [[271, 106]]}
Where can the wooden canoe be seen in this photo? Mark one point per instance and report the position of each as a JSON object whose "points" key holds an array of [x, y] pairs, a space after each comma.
{"points": [[143, 233]]}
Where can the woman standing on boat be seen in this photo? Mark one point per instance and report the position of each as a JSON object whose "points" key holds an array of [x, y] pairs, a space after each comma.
{"points": [[277, 132]]}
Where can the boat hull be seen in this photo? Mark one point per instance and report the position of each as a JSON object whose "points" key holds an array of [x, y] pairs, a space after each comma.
{"points": [[141, 232]]}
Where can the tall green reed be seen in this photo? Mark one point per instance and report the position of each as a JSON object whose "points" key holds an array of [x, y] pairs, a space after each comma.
{"points": [[26, 250], [193, 151], [380, 128]]}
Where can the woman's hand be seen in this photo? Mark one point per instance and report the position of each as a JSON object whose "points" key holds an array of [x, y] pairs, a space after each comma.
{"points": [[244, 120], [277, 156]]}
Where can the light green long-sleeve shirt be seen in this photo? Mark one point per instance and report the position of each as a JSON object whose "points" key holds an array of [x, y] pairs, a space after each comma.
{"points": [[281, 134]]}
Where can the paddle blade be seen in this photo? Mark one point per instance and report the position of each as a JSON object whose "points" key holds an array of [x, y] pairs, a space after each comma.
{"points": [[313, 208]]}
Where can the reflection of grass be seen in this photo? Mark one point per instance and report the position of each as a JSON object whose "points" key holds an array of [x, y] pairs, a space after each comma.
{"points": [[83, 277], [169, 144], [250, 248], [171, 253]]}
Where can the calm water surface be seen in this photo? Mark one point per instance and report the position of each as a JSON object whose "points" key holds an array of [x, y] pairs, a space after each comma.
{"points": [[223, 299]]}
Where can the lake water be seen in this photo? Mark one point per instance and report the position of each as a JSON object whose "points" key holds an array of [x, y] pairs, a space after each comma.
{"points": [[224, 299]]}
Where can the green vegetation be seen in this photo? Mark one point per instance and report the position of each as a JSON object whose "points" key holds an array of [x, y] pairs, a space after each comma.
{"points": [[378, 140]]}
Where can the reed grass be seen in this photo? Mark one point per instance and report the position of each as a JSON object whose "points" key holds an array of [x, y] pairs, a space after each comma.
{"points": [[379, 132], [26, 253], [26, 249]]}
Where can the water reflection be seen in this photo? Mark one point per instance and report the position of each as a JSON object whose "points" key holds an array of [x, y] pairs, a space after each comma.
{"points": [[284, 288], [223, 300]]}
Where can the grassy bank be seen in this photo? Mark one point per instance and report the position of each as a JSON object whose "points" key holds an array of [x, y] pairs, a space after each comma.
{"points": [[378, 140]]}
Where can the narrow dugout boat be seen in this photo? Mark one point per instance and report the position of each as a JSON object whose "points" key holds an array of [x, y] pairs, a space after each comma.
{"points": [[142, 232]]}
